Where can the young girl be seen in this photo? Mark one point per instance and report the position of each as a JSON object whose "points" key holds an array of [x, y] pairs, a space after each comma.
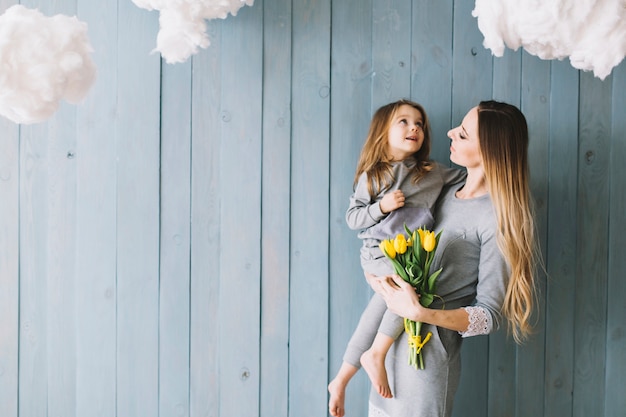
{"points": [[395, 184]]}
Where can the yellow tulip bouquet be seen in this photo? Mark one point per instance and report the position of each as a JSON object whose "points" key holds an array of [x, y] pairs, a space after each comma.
{"points": [[411, 258]]}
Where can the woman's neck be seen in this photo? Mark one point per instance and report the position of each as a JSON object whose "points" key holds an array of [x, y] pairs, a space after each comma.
{"points": [[475, 185]]}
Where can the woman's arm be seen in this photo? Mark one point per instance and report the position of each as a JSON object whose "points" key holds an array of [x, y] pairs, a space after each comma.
{"points": [[402, 299]]}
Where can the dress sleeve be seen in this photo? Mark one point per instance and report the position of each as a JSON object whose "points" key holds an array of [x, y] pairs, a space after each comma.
{"points": [[452, 176], [363, 212], [493, 277], [480, 321]]}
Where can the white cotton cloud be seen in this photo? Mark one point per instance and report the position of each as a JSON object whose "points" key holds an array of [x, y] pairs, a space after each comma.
{"points": [[42, 60], [183, 24], [592, 33]]}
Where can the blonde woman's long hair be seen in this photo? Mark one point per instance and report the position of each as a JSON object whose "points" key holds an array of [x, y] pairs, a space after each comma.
{"points": [[503, 138], [375, 159]]}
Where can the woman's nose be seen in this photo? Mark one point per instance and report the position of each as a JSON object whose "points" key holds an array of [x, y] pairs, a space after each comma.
{"points": [[450, 132]]}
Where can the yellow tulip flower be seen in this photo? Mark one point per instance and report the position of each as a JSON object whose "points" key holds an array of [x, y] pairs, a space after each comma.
{"points": [[399, 244], [386, 246], [429, 242], [421, 234]]}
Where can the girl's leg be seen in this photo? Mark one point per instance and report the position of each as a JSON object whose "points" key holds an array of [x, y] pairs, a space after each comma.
{"points": [[373, 360], [337, 389], [365, 331], [361, 340]]}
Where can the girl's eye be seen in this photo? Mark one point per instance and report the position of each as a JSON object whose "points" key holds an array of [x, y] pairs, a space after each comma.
{"points": [[403, 121]]}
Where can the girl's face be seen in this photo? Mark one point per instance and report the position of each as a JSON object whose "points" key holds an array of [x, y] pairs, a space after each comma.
{"points": [[465, 148], [406, 133]]}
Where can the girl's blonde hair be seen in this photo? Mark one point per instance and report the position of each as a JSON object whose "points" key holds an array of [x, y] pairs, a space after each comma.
{"points": [[376, 161], [503, 138]]}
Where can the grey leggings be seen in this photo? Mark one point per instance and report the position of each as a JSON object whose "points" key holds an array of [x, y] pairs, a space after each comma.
{"points": [[375, 318]]}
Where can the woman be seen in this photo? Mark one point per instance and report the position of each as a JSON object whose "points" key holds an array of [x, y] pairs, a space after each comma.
{"points": [[487, 253]]}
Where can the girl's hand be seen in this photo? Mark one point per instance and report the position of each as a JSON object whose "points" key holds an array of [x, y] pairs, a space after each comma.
{"points": [[374, 280], [392, 201]]}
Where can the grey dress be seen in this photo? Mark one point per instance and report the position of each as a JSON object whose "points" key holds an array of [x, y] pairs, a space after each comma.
{"points": [[474, 273]]}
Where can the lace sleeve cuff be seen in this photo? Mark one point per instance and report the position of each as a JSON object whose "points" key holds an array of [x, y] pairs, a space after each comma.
{"points": [[480, 321]]}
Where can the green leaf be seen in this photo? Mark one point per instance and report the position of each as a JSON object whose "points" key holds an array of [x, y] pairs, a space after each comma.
{"points": [[426, 299], [419, 251], [437, 240], [399, 269], [432, 279], [418, 277]]}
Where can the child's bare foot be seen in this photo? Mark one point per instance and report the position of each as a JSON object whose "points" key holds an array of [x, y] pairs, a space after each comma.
{"points": [[374, 365], [337, 392]]}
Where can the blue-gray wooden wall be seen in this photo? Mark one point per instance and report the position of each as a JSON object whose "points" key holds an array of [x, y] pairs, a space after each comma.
{"points": [[176, 244]]}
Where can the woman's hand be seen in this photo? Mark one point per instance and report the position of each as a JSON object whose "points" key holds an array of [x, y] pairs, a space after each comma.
{"points": [[400, 297]]}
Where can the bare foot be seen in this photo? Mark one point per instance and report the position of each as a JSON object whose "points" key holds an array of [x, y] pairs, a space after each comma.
{"points": [[374, 365], [337, 392]]}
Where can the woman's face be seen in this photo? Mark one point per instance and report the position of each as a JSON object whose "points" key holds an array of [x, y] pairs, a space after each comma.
{"points": [[465, 148]]}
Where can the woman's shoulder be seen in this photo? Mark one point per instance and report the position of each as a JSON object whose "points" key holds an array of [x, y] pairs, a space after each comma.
{"points": [[450, 175]]}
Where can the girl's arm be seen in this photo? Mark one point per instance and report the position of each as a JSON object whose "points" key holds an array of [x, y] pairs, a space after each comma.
{"points": [[363, 212]]}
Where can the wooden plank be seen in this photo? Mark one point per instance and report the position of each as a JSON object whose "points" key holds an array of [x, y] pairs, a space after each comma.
{"points": [[60, 265], [33, 229], [175, 240], [61, 246], [308, 356], [137, 142], [240, 228], [359, 74], [96, 218], [502, 349], [389, 70], [9, 259], [507, 77], [471, 63], [536, 107], [205, 220], [9, 267], [615, 401], [472, 82], [431, 69], [592, 250], [33, 252], [275, 208], [561, 245]]}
